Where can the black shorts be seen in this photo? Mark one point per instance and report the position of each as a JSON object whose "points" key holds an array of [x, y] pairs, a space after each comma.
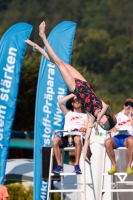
{"points": [[65, 144], [65, 141]]}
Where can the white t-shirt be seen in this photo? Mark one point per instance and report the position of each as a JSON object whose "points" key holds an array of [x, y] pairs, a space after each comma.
{"points": [[74, 120], [124, 125]]}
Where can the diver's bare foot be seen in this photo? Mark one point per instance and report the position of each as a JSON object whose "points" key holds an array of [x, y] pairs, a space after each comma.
{"points": [[42, 29], [31, 43]]}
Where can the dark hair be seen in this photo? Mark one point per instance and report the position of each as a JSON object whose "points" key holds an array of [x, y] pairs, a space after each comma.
{"points": [[69, 104], [112, 120]]}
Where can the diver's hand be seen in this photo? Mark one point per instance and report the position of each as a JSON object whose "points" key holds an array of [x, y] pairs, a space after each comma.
{"points": [[87, 160], [95, 126]]}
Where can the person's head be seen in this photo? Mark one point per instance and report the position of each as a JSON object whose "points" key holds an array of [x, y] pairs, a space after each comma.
{"points": [[76, 103], [128, 105], [108, 121]]}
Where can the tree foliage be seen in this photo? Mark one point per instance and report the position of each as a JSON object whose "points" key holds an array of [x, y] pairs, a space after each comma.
{"points": [[17, 191], [102, 50]]}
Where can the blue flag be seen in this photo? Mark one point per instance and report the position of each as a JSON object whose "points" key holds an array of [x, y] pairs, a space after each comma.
{"points": [[12, 50], [51, 87]]}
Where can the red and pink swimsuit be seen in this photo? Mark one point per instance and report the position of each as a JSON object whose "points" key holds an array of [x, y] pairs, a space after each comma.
{"points": [[90, 102]]}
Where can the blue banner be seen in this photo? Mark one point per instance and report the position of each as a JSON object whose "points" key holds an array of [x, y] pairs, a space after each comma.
{"points": [[51, 87], [12, 50]]}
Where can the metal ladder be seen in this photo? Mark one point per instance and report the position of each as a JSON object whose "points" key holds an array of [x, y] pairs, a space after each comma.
{"points": [[121, 180], [79, 185]]}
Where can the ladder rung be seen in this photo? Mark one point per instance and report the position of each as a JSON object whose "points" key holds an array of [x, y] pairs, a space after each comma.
{"points": [[73, 184], [123, 183], [118, 190], [64, 174], [119, 173], [51, 191]]}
